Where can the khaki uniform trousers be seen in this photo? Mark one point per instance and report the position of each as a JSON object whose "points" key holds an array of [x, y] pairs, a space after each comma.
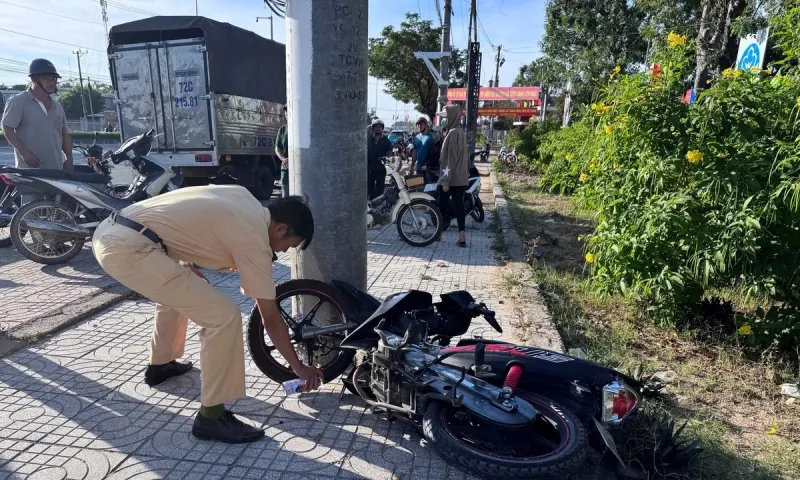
{"points": [[144, 267]]}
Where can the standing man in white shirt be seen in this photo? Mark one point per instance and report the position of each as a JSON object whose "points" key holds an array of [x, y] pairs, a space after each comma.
{"points": [[35, 124]]}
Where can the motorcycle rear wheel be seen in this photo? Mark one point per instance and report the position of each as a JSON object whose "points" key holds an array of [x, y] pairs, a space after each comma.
{"points": [[477, 213], [51, 256], [262, 354], [552, 446]]}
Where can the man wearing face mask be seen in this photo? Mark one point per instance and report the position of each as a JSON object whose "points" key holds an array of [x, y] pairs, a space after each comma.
{"points": [[35, 124]]}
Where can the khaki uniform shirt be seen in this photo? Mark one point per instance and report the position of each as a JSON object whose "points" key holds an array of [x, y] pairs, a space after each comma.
{"points": [[215, 226], [41, 132]]}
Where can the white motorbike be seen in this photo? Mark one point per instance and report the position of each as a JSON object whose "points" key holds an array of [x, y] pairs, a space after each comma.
{"points": [[54, 230], [419, 221]]}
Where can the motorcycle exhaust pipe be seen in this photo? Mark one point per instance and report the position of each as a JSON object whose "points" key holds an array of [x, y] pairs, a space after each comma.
{"points": [[319, 331], [55, 228], [5, 217]]}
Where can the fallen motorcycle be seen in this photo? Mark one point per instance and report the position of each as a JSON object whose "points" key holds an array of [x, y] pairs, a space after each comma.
{"points": [[419, 221], [497, 409]]}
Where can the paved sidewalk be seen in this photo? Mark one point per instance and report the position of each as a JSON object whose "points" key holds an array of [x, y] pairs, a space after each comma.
{"points": [[75, 405]]}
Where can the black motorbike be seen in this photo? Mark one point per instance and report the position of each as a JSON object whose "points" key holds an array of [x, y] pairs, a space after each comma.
{"points": [[494, 408], [473, 206]]}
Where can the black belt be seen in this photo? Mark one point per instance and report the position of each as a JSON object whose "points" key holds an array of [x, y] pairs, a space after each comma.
{"points": [[127, 222]]}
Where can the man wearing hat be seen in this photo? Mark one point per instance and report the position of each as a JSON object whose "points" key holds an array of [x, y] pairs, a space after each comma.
{"points": [[35, 123]]}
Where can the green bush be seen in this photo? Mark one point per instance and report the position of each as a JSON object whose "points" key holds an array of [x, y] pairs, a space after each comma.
{"points": [[528, 140], [692, 198]]}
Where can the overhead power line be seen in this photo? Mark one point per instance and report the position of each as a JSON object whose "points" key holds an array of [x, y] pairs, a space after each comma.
{"points": [[128, 8], [49, 13], [49, 40]]}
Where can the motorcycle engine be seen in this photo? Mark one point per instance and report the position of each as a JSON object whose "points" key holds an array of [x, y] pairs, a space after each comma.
{"points": [[387, 386]]}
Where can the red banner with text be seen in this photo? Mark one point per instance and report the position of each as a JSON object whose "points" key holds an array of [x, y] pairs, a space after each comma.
{"points": [[496, 94]]}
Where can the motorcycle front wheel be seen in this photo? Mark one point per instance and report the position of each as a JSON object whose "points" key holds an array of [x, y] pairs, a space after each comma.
{"points": [[9, 204], [419, 223], [551, 446], [45, 248]]}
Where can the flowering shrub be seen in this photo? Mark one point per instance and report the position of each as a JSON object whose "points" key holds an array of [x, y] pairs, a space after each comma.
{"points": [[690, 198]]}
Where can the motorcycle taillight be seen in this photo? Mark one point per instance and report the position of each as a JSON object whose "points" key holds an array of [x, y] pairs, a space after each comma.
{"points": [[5, 180], [619, 400]]}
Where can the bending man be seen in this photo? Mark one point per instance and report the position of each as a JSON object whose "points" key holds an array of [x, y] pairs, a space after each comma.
{"points": [[152, 247]]}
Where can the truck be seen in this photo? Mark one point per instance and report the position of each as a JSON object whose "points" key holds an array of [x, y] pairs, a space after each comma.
{"points": [[214, 93]]}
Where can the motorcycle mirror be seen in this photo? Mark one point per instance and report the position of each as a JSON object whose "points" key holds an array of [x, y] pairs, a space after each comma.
{"points": [[493, 322]]}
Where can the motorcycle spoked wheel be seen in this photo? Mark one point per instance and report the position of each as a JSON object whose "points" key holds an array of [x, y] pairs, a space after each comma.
{"points": [[429, 213], [551, 446], [47, 249], [262, 353]]}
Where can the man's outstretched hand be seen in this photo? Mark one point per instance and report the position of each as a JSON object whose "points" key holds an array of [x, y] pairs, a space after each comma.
{"points": [[311, 375]]}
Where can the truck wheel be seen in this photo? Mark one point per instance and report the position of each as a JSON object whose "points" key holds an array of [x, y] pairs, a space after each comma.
{"points": [[264, 183]]}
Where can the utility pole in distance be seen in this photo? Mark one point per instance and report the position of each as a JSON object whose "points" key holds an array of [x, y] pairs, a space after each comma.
{"points": [[89, 94], [326, 60], [444, 63], [79, 54], [271, 37], [499, 62]]}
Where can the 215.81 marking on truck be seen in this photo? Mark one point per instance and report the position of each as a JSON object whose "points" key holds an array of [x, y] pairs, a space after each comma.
{"points": [[187, 102]]}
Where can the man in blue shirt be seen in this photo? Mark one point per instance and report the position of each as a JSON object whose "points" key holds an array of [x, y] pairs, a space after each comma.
{"points": [[423, 141]]}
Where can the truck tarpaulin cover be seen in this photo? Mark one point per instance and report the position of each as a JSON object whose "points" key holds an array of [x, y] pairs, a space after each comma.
{"points": [[240, 62]]}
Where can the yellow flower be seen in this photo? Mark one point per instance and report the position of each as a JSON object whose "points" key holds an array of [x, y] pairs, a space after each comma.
{"points": [[773, 430], [590, 258], [617, 69], [798, 102], [580, 238], [675, 39], [570, 157], [745, 330], [694, 156], [584, 178], [737, 73], [609, 129], [728, 72], [615, 165]]}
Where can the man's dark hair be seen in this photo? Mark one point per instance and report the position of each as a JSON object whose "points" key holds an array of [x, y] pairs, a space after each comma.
{"points": [[294, 213]]}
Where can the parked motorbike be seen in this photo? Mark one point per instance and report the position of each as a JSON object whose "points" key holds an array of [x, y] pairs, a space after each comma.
{"points": [[416, 213], [480, 404], [473, 206], [53, 230], [10, 198]]}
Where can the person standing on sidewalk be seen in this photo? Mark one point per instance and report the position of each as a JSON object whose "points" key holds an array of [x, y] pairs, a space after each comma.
{"points": [[36, 126], [282, 151], [423, 141], [454, 169], [378, 146], [152, 248]]}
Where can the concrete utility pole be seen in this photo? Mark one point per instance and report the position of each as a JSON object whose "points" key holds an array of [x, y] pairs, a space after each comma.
{"points": [[326, 59], [79, 54], [444, 65]]}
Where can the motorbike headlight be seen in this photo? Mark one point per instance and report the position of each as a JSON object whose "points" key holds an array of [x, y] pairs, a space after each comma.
{"points": [[619, 400]]}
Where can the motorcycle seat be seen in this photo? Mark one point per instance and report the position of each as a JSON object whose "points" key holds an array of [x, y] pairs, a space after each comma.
{"points": [[59, 175]]}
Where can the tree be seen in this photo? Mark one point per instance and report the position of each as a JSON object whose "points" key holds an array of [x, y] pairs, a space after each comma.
{"points": [[586, 39], [19, 86], [70, 98], [391, 58]]}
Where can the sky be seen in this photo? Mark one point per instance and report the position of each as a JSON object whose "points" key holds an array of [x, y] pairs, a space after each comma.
{"points": [[65, 25]]}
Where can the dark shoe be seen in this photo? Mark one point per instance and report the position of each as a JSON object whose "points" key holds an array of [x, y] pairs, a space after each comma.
{"points": [[156, 374], [227, 428], [461, 244]]}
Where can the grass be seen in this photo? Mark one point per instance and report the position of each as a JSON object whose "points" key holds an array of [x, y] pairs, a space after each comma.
{"points": [[729, 401]]}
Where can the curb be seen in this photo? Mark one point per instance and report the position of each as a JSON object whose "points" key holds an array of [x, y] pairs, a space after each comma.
{"points": [[538, 325], [66, 316]]}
